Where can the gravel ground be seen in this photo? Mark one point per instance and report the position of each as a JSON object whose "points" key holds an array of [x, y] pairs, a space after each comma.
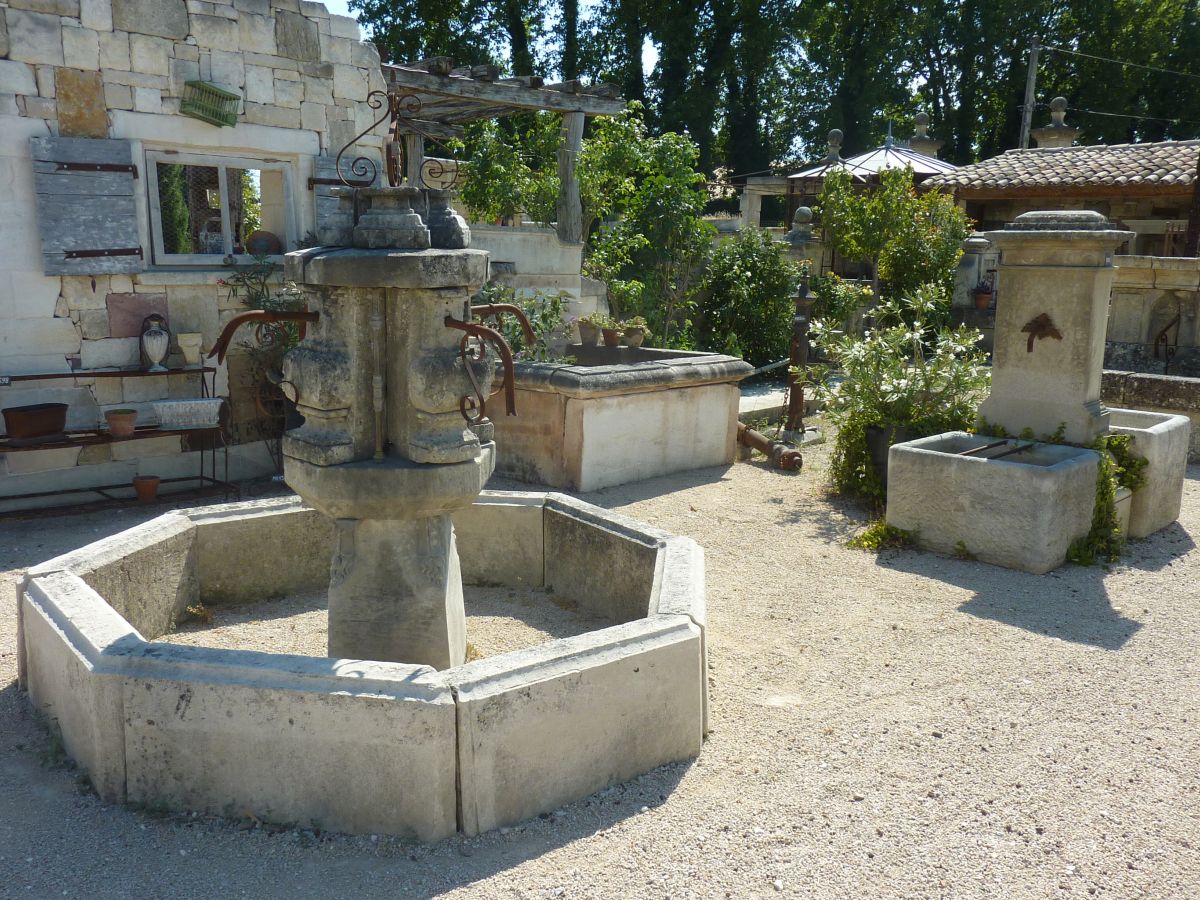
{"points": [[499, 620], [906, 725]]}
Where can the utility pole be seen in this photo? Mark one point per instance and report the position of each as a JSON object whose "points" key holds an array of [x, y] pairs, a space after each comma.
{"points": [[1030, 84]]}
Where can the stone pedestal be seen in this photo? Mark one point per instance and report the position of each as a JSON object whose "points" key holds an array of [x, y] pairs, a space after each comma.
{"points": [[1055, 275], [384, 449]]}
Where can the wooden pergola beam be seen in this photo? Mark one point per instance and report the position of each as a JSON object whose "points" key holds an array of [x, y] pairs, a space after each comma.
{"points": [[442, 131], [406, 78]]}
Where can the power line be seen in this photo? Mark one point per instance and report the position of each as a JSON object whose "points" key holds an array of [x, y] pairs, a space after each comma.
{"points": [[1120, 62], [1096, 112]]}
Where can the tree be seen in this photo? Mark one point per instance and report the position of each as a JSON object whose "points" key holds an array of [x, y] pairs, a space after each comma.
{"points": [[907, 239]]}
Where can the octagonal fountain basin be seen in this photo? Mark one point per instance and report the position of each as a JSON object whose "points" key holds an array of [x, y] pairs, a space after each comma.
{"points": [[620, 414], [359, 745]]}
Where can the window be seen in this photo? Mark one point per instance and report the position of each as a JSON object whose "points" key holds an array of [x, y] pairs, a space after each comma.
{"points": [[205, 208]]}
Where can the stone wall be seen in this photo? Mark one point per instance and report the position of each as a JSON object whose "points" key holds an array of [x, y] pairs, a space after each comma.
{"points": [[116, 69]]}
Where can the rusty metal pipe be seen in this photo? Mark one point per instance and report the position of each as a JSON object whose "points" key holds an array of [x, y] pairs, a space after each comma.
{"points": [[493, 337], [781, 455], [221, 347], [497, 309]]}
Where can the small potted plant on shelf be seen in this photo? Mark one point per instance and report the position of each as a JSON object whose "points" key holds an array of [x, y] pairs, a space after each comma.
{"points": [[983, 294], [146, 487], [610, 328], [635, 331], [589, 329]]}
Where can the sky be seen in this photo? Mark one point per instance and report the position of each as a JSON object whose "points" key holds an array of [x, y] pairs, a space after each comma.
{"points": [[649, 51]]}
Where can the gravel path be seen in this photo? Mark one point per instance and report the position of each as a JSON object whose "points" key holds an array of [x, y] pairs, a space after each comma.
{"points": [[902, 726], [499, 620]]}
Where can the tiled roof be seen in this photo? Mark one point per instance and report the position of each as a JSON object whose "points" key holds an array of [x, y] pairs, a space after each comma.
{"points": [[1161, 164]]}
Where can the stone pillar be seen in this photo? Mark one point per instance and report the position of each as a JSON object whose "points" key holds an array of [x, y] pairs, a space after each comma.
{"points": [[1056, 271], [384, 449]]}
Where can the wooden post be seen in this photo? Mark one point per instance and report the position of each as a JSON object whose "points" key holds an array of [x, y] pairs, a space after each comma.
{"points": [[570, 209], [414, 158]]}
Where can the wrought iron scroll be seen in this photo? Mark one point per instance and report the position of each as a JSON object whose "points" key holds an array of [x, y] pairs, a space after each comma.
{"points": [[364, 167], [406, 111], [474, 409]]}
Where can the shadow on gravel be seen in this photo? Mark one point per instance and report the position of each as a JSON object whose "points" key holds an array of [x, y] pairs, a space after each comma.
{"points": [[1158, 550], [1070, 603]]}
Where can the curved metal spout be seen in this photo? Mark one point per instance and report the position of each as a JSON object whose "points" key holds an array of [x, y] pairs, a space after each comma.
{"points": [[495, 310], [493, 337], [221, 347]]}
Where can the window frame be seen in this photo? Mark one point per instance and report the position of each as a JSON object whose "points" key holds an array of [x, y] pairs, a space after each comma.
{"points": [[221, 162]]}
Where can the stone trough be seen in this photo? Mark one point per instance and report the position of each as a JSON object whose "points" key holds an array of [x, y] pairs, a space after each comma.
{"points": [[358, 745]]}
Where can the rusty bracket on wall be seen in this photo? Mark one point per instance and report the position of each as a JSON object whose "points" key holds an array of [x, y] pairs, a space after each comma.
{"points": [[474, 353], [221, 347]]}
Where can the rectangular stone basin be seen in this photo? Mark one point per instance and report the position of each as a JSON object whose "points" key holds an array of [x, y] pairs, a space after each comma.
{"points": [[1021, 512], [1162, 439], [619, 414]]}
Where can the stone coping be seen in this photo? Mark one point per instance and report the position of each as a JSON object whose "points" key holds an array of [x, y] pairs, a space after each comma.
{"points": [[635, 371], [361, 745], [386, 268]]}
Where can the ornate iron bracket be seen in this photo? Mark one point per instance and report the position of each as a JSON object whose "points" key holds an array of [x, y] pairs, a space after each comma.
{"points": [[474, 409], [221, 347], [496, 310]]}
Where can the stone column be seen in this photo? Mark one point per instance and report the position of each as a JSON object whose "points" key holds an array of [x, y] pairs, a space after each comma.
{"points": [[1051, 315], [384, 449]]}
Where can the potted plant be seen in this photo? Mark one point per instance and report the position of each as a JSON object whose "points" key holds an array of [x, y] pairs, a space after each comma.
{"points": [[983, 294], [635, 331], [589, 329], [902, 380], [611, 330]]}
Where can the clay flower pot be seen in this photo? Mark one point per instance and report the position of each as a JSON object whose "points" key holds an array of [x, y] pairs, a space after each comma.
{"points": [[612, 337], [634, 337], [589, 334], [146, 487], [121, 422], [983, 300]]}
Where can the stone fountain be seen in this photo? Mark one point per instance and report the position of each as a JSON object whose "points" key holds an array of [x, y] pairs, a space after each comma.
{"points": [[1021, 502], [385, 449]]}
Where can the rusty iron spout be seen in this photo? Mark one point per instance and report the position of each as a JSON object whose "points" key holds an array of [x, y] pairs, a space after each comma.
{"points": [[493, 337], [496, 310], [781, 455], [221, 347]]}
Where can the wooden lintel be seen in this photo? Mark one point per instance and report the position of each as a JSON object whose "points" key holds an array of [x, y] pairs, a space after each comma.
{"points": [[405, 79], [565, 87], [437, 65], [441, 131]]}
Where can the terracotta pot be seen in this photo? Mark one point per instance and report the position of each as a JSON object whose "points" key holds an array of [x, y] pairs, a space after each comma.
{"points": [[612, 337], [589, 335], [634, 337], [121, 422], [983, 299], [36, 420], [146, 487]]}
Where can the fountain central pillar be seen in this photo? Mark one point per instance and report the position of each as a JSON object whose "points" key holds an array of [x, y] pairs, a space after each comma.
{"points": [[385, 449]]}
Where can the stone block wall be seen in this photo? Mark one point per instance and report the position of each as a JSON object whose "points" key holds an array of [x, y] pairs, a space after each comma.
{"points": [[115, 69]]}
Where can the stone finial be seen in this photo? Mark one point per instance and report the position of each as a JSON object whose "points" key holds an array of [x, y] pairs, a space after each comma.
{"points": [[921, 142], [801, 232], [1058, 133], [1058, 111], [835, 145]]}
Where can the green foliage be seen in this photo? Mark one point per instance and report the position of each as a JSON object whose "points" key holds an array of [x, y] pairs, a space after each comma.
{"points": [[1103, 541], [259, 286], [745, 305], [879, 535], [835, 298], [543, 309], [919, 377], [251, 205], [961, 551], [907, 239], [511, 171], [176, 221]]}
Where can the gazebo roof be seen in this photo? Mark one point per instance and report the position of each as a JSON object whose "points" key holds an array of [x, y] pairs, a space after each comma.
{"points": [[436, 98], [890, 156]]}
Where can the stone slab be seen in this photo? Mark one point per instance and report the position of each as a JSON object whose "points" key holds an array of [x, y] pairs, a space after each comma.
{"points": [[165, 18], [110, 352], [81, 108], [331, 744], [500, 539], [542, 727]]}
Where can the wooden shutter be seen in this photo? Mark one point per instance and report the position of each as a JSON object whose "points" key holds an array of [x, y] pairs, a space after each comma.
{"points": [[87, 215]]}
